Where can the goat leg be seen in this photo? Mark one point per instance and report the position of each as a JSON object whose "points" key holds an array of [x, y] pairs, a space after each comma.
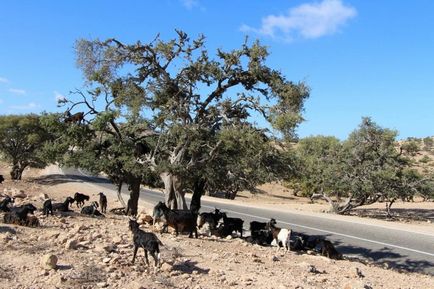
{"points": [[146, 256], [134, 254]]}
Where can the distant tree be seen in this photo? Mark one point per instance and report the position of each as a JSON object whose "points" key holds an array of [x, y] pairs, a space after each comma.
{"points": [[171, 102], [428, 142], [318, 164], [411, 147], [21, 141], [367, 168]]}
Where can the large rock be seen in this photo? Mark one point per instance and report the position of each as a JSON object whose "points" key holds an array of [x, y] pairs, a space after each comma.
{"points": [[49, 261]]}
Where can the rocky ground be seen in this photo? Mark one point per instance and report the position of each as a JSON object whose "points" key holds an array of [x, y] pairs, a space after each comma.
{"points": [[97, 253]]}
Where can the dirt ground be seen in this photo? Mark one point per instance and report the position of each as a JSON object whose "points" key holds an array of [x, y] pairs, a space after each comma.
{"points": [[97, 252]]}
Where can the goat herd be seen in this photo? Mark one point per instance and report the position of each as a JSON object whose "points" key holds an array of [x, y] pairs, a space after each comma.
{"points": [[215, 223], [19, 215]]}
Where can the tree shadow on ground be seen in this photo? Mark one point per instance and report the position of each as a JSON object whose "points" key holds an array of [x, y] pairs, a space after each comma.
{"points": [[386, 258], [383, 257], [263, 192], [396, 214], [57, 179], [189, 266]]}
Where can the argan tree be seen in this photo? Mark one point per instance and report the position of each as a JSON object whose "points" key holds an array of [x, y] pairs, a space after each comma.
{"points": [[369, 166], [21, 141], [165, 105]]}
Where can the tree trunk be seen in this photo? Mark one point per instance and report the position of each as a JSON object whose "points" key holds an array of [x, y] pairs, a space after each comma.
{"points": [[120, 198], [198, 192], [173, 195], [17, 171], [134, 188], [388, 206]]}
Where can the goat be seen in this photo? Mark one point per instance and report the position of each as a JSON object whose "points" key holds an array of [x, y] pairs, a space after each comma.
{"points": [[158, 215], [262, 237], [4, 204], [91, 210], [328, 250], [223, 230], [212, 218], [2, 179], [185, 221], [74, 118], [102, 202], [146, 240], [63, 207], [32, 221], [235, 223], [47, 208], [18, 215], [281, 236], [79, 198]]}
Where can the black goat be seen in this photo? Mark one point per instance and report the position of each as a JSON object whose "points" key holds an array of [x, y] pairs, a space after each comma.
{"points": [[180, 221], [158, 213], [2, 179], [235, 223], [147, 241], [18, 215], [79, 198], [328, 250], [63, 207], [4, 204], [103, 202], [212, 218], [91, 210], [47, 208]]}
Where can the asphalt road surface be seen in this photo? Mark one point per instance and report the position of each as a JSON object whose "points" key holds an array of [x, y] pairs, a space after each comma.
{"points": [[400, 249]]}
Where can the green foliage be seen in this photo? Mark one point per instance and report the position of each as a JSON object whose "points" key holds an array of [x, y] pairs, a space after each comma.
{"points": [[428, 142], [22, 138], [178, 106], [364, 168], [425, 159]]}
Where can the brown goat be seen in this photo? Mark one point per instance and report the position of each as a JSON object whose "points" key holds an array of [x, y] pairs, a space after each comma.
{"points": [[74, 118]]}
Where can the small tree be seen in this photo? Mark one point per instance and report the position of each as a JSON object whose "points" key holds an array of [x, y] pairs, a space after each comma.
{"points": [[21, 141], [367, 168]]}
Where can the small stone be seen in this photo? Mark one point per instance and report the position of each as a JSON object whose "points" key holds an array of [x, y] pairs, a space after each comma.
{"points": [[102, 284], [166, 267], [106, 260], [71, 244], [275, 259], [49, 261]]}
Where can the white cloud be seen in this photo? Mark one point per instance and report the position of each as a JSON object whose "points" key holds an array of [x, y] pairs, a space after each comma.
{"points": [[28, 106], [4, 80], [60, 98], [308, 21], [17, 91], [190, 4]]}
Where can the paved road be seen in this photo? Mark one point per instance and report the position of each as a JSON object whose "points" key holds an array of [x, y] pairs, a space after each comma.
{"points": [[400, 249]]}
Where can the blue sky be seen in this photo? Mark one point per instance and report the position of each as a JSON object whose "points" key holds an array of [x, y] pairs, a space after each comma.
{"points": [[361, 58]]}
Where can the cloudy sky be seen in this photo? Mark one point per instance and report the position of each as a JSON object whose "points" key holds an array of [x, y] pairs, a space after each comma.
{"points": [[361, 58]]}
